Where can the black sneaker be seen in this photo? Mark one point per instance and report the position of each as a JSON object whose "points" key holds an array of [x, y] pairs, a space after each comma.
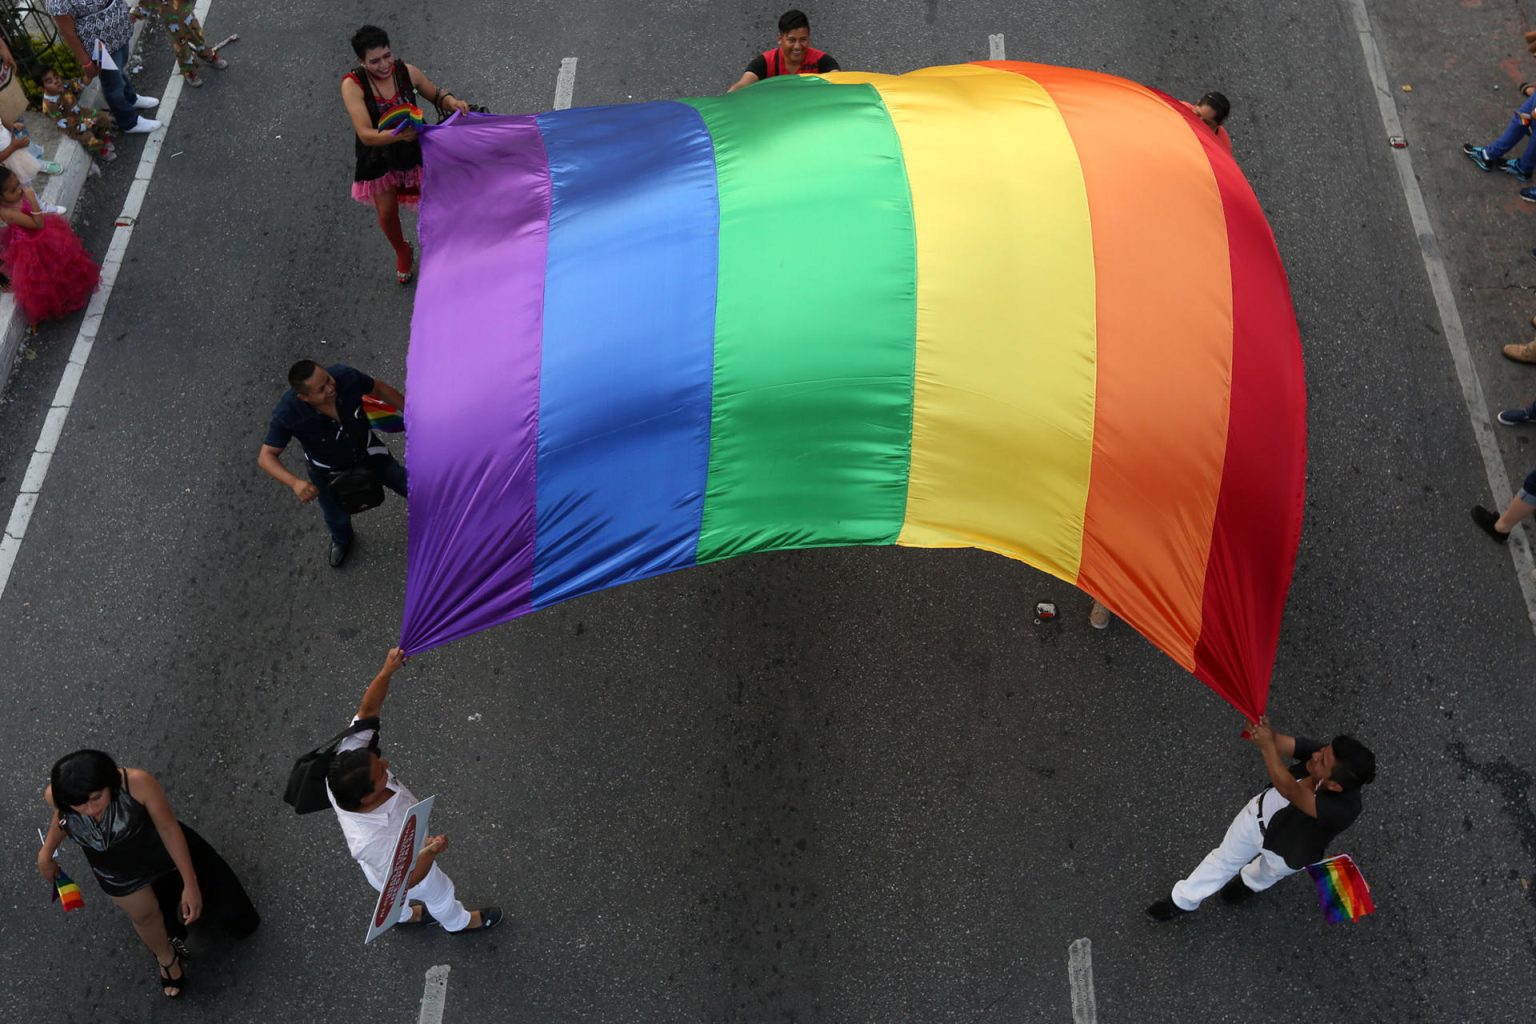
{"points": [[1165, 910], [1236, 890], [1485, 521], [490, 917], [1478, 155], [1514, 417], [338, 554]]}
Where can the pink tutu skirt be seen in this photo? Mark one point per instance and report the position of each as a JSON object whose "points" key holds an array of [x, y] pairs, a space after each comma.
{"points": [[407, 183]]}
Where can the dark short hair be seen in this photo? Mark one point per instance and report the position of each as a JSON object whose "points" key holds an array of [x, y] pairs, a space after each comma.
{"points": [[6, 174], [1217, 102], [351, 777], [1353, 763], [300, 372], [791, 20], [369, 37], [76, 776]]}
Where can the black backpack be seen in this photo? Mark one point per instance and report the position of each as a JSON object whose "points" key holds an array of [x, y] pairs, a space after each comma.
{"points": [[305, 791]]}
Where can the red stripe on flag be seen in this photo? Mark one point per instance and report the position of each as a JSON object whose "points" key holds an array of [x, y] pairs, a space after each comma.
{"points": [[1263, 484]]}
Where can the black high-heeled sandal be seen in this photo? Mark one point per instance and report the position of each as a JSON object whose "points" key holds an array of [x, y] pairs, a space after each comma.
{"points": [[166, 981]]}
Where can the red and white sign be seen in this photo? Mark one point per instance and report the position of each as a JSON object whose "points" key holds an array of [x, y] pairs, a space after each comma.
{"points": [[413, 832]]}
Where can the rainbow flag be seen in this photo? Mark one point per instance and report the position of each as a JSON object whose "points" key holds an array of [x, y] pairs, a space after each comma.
{"points": [[382, 416], [67, 892], [1028, 309], [1341, 889], [397, 117]]}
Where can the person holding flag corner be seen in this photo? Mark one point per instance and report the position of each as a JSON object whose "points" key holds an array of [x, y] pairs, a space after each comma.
{"points": [[1287, 826], [372, 805]]}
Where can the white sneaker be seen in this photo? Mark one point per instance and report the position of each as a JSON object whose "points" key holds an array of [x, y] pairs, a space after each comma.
{"points": [[143, 126], [145, 103], [54, 208]]}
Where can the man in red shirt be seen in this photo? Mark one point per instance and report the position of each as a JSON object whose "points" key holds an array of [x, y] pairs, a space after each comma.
{"points": [[793, 56]]}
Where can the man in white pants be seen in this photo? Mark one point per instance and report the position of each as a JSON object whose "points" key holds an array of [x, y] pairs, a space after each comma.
{"points": [[371, 805], [1284, 828]]}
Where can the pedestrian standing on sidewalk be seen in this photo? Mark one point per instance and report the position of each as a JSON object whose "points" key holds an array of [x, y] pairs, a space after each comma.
{"points": [[372, 805], [88, 126], [1520, 508], [323, 408], [1287, 826], [186, 35], [388, 165], [1494, 156], [98, 34], [145, 860]]}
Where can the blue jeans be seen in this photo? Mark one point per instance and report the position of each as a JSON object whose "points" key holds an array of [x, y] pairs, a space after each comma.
{"points": [[117, 90], [390, 473], [1519, 128]]}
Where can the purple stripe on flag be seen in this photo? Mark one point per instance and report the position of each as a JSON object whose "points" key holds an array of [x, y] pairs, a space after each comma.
{"points": [[472, 378]]}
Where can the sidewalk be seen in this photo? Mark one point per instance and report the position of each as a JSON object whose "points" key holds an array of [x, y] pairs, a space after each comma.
{"points": [[62, 189]]}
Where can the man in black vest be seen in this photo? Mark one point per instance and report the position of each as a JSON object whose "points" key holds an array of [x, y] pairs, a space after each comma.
{"points": [[1284, 828]]}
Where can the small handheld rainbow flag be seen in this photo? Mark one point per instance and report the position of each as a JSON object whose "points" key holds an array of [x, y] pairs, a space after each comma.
{"points": [[395, 119], [67, 892], [1341, 889], [382, 416]]}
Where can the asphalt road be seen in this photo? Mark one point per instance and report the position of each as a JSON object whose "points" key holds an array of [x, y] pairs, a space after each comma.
{"points": [[847, 785]]}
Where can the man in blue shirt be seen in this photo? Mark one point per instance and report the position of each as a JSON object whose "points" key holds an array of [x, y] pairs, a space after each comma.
{"points": [[323, 408]]}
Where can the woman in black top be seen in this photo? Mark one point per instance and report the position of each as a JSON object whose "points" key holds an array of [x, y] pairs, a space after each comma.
{"points": [[142, 857], [388, 170]]}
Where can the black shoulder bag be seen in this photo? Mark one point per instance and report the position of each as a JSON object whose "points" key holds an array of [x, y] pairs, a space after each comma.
{"points": [[358, 488], [305, 791]]}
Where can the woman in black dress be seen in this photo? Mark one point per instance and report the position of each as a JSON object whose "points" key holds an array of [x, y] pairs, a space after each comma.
{"points": [[388, 169], [152, 866]]}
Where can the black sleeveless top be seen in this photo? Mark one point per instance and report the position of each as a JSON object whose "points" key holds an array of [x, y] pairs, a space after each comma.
{"points": [[377, 161], [123, 848]]}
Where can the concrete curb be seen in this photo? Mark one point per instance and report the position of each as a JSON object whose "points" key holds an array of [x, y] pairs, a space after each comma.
{"points": [[63, 189]]}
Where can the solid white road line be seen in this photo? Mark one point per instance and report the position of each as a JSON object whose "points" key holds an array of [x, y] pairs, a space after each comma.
{"points": [[1445, 302], [995, 47], [434, 995], [565, 83], [1080, 975], [64, 395]]}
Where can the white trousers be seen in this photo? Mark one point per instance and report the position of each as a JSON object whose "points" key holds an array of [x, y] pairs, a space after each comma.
{"points": [[1241, 850], [436, 891]]}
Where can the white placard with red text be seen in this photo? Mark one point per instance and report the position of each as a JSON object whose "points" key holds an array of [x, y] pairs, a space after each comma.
{"points": [[413, 832]]}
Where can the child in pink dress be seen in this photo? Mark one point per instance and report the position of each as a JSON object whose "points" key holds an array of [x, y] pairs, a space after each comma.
{"points": [[51, 273]]}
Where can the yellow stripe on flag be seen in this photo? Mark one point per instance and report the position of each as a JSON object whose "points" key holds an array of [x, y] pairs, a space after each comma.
{"points": [[1003, 412]]}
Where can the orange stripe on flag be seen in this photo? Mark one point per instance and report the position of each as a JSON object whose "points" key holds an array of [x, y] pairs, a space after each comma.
{"points": [[1164, 329]]}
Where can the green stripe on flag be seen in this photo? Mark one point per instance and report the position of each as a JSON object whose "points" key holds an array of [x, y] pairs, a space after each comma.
{"points": [[815, 320]]}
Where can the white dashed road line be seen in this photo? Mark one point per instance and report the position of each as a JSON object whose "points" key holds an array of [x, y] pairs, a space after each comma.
{"points": [[1080, 975], [64, 396], [434, 996], [995, 47], [565, 83], [1445, 302]]}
